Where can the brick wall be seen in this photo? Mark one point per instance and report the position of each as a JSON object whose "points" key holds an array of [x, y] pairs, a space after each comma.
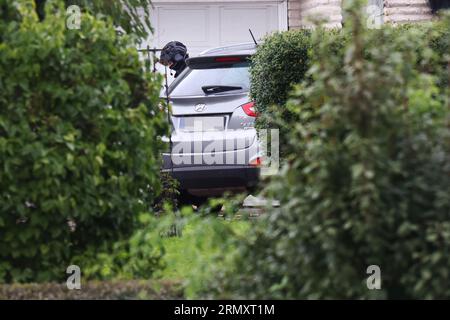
{"points": [[294, 21], [395, 11], [300, 11], [400, 11]]}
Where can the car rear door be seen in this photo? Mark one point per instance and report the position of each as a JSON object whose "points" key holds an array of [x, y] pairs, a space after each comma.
{"points": [[206, 107]]}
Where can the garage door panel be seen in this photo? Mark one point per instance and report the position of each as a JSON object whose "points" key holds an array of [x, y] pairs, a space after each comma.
{"points": [[235, 22], [202, 25], [184, 23], [207, 24]]}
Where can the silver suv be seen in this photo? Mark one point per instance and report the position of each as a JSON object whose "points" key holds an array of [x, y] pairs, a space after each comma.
{"points": [[214, 143]]}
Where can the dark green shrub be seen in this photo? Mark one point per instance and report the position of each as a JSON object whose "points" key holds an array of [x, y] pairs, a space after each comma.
{"points": [[367, 183], [439, 41], [133, 16], [170, 195], [136, 257], [280, 61], [283, 59], [79, 146], [433, 57]]}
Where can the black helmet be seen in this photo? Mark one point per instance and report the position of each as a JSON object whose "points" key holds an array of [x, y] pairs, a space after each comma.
{"points": [[173, 53]]}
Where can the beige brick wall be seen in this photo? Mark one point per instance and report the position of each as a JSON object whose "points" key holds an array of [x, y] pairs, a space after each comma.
{"points": [[401, 11], [300, 12], [395, 11], [294, 21]]}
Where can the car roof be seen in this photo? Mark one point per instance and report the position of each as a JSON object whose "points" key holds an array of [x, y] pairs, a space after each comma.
{"points": [[237, 49]]}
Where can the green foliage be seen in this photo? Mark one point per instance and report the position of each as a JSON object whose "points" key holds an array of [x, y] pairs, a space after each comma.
{"points": [[207, 243], [280, 61], [133, 16], [368, 180], [79, 146], [439, 41], [136, 257], [283, 59], [170, 194]]}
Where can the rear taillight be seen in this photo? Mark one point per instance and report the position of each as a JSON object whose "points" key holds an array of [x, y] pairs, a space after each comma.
{"points": [[257, 162], [250, 109]]}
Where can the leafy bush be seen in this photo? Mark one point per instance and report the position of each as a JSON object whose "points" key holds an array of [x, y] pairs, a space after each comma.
{"points": [[79, 151], [367, 181], [438, 38], [280, 61], [170, 195], [136, 257], [432, 58], [283, 59], [206, 242], [132, 16]]}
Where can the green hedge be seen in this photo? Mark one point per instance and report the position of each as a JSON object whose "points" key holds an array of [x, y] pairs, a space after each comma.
{"points": [[280, 61], [367, 182], [79, 147], [133, 16], [283, 60]]}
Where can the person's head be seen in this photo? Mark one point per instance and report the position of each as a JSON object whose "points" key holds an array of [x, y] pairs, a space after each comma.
{"points": [[173, 55]]}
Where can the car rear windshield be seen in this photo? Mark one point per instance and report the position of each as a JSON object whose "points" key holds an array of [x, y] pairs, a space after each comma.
{"points": [[235, 76]]}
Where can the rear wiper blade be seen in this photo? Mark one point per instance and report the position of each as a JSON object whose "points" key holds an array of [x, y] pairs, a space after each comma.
{"points": [[219, 88]]}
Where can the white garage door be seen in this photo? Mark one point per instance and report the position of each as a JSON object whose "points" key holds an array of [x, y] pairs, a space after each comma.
{"points": [[202, 25]]}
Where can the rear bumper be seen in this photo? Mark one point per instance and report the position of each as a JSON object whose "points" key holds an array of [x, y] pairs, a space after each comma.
{"points": [[212, 173], [216, 177]]}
